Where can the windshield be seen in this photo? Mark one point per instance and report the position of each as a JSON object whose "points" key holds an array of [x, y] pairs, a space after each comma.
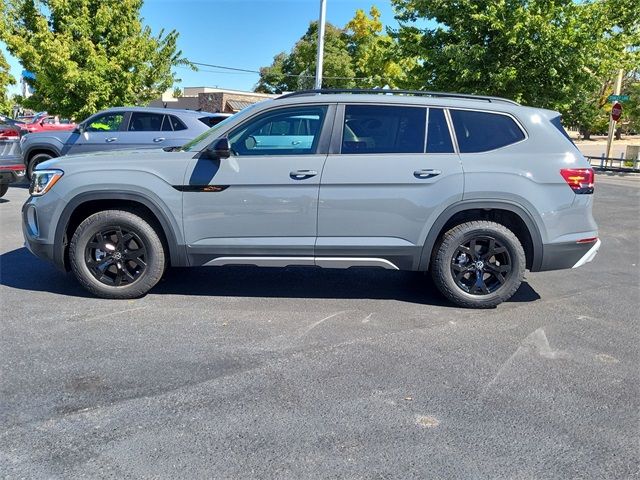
{"points": [[207, 137]]}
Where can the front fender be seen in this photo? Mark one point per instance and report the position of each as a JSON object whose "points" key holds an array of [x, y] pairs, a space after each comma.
{"points": [[164, 214]]}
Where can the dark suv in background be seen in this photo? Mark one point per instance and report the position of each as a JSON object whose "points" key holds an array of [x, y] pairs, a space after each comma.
{"points": [[119, 128]]}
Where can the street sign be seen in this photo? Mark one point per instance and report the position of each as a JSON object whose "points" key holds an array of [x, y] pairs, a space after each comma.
{"points": [[618, 98], [616, 112]]}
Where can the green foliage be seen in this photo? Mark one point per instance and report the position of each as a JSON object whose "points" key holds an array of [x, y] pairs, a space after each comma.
{"points": [[88, 54], [5, 80], [375, 55], [557, 54], [296, 71], [360, 55]]}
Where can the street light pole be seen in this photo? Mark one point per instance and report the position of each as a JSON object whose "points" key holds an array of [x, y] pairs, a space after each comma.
{"points": [[319, 59]]}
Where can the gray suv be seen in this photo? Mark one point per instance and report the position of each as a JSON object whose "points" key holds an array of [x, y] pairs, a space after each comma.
{"points": [[119, 128], [472, 189]]}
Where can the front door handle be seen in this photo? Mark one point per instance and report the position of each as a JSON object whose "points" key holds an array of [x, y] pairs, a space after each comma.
{"points": [[111, 139], [302, 174], [427, 173], [159, 139]]}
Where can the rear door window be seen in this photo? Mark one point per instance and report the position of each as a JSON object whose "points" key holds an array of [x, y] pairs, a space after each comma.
{"points": [[383, 129], [438, 135], [484, 131], [145, 122]]}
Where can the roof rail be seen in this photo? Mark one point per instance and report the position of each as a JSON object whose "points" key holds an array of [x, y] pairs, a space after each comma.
{"points": [[387, 91]]}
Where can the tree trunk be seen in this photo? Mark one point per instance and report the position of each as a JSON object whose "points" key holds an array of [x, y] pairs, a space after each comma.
{"points": [[585, 134]]}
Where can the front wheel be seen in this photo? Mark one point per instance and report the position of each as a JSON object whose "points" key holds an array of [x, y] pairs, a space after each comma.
{"points": [[117, 254], [478, 264], [35, 161]]}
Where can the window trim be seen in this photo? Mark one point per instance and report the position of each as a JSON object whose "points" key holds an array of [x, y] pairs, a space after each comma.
{"points": [[454, 143], [452, 130]]}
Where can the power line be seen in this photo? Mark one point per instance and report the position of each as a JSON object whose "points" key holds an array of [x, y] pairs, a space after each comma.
{"points": [[300, 75]]}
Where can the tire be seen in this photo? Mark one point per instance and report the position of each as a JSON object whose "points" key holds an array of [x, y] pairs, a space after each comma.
{"points": [[4, 187], [35, 161], [478, 264], [117, 254]]}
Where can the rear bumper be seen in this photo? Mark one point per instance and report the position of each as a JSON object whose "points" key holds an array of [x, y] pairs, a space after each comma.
{"points": [[11, 172], [559, 256], [590, 255]]}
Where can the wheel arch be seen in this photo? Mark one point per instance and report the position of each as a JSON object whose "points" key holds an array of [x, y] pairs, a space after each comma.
{"points": [[37, 149], [85, 204], [511, 215]]}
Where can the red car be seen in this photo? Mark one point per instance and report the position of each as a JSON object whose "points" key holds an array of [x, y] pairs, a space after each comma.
{"points": [[46, 123]]}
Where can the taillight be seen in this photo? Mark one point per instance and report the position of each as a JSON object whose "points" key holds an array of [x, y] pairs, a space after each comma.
{"points": [[9, 134], [581, 180]]}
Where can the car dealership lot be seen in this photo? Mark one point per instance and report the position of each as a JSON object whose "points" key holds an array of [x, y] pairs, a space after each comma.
{"points": [[309, 373]]}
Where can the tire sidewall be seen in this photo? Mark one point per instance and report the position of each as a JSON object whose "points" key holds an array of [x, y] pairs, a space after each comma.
{"points": [[505, 238], [35, 161], [155, 255], [4, 188]]}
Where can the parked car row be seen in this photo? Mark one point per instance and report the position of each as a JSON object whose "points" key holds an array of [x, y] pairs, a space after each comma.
{"points": [[29, 141], [116, 129]]}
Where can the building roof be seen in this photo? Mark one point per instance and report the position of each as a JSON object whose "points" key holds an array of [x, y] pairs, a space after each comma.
{"points": [[237, 105]]}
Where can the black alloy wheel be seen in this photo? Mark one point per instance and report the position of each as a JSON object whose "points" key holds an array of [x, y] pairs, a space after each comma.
{"points": [[481, 265], [478, 264], [116, 256]]}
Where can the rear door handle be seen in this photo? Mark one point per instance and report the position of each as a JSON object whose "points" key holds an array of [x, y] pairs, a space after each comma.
{"points": [[302, 174], [159, 139], [427, 173], [111, 139]]}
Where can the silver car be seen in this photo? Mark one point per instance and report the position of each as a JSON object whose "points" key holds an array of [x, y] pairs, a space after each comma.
{"points": [[472, 189], [116, 129]]}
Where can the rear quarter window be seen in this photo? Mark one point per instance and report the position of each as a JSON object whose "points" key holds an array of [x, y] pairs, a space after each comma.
{"points": [[211, 121], [176, 123], [484, 131]]}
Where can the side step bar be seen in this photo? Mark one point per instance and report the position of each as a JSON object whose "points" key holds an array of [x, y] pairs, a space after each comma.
{"points": [[324, 262]]}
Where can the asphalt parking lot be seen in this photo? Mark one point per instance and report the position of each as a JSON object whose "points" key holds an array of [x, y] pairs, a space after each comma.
{"points": [[308, 373]]}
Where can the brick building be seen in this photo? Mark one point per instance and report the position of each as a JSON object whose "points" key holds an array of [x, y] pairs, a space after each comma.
{"points": [[210, 99]]}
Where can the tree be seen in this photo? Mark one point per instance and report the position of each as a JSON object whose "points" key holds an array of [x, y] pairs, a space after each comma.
{"points": [[376, 57], [547, 53], [5, 80], [296, 70], [87, 55]]}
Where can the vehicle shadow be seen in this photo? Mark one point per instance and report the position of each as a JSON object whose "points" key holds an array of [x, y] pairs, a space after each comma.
{"points": [[20, 269]]}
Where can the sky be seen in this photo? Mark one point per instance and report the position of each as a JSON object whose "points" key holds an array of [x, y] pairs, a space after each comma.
{"points": [[237, 33]]}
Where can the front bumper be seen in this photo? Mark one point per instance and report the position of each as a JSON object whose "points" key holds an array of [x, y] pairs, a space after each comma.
{"points": [[39, 246]]}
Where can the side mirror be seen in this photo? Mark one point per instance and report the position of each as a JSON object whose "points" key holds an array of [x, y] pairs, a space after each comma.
{"points": [[79, 129], [219, 149]]}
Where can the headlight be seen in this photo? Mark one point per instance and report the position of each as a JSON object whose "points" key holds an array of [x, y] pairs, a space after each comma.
{"points": [[43, 180]]}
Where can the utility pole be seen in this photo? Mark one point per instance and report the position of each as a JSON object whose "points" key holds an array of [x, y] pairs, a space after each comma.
{"points": [[612, 122], [321, 25]]}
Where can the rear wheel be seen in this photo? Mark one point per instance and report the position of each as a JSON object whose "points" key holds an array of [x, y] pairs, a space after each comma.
{"points": [[478, 264], [3, 189], [35, 161], [117, 254]]}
